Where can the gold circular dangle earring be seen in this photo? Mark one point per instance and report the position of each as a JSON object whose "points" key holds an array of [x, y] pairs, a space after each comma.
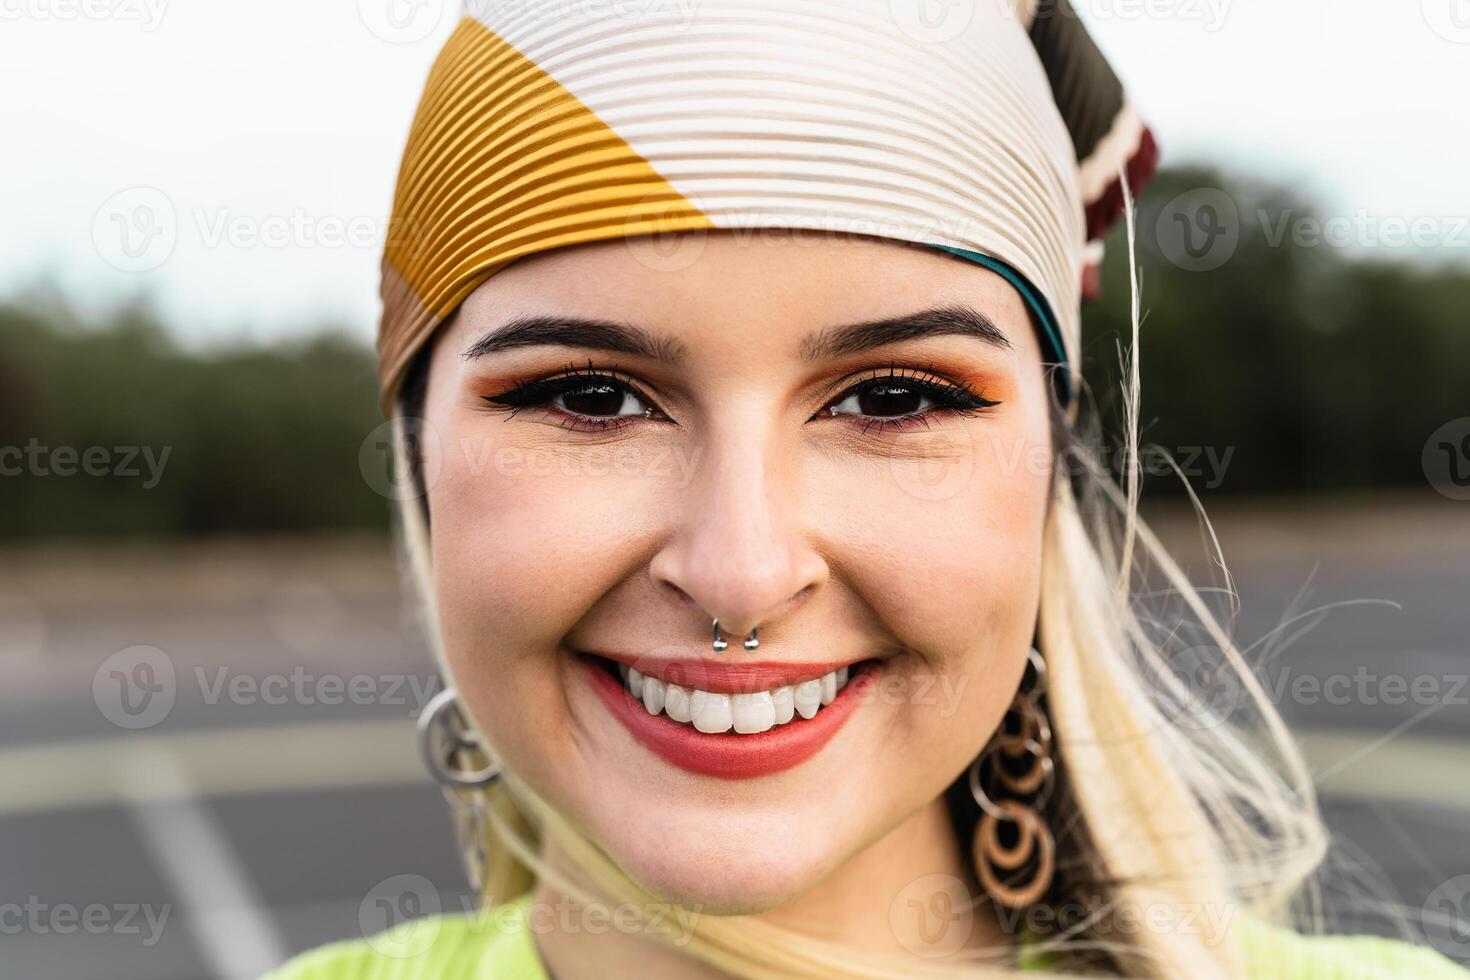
{"points": [[1013, 849]]}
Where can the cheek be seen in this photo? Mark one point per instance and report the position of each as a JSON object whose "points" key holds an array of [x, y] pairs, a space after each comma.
{"points": [[947, 550], [945, 543], [529, 535], [524, 541]]}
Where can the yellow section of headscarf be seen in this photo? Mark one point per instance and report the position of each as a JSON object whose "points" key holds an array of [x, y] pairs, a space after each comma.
{"points": [[479, 190]]}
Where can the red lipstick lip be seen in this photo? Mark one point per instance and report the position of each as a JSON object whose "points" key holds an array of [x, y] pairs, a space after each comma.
{"points": [[730, 755], [724, 677]]}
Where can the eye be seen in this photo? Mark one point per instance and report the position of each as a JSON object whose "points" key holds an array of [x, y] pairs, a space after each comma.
{"points": [[899, 398], [586, 399]]}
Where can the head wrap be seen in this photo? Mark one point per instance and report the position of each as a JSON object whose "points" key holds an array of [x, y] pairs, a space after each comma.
{"points": [[996, 133]]}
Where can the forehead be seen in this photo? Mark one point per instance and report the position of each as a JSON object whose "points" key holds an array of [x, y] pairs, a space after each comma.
{"points": [[742, 288]]}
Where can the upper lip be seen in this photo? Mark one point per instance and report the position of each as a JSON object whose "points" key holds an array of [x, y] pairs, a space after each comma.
{"points": [[725, 677]]}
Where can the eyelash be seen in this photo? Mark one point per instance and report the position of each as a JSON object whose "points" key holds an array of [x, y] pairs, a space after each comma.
{"points": [[957, 398]]}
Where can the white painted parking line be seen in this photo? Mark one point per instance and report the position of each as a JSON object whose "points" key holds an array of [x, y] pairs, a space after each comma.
{"points": [[218, 904]]}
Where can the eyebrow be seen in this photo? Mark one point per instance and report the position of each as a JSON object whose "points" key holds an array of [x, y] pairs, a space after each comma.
{"points": [[567, 331], [954, 319], [951, 320]]}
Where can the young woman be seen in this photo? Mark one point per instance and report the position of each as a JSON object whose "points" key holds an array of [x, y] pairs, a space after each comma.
{"points": [[733, 350]]}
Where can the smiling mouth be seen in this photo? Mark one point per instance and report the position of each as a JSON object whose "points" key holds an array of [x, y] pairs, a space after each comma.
{"points": [[731, 720], [716, 712]]}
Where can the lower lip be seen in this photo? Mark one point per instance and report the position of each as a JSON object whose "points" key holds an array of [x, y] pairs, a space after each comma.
{"points": [[729, 755]]}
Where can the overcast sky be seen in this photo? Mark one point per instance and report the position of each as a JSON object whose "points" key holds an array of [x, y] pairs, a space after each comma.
{"points": [[264, 138]]}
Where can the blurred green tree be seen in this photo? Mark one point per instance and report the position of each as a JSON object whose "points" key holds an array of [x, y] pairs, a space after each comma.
{"points": [[1315, 367]]}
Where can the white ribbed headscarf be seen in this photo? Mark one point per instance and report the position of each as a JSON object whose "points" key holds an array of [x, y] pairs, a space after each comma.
{"points": [[550, 122]]}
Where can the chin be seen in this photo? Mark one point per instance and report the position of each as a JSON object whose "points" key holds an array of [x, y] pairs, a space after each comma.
{"points": [[721, 883], [721, 864]]}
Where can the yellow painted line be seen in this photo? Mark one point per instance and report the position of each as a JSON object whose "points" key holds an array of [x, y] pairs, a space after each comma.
{"points": [[1422, 769], [381, 753], [227, 762]]}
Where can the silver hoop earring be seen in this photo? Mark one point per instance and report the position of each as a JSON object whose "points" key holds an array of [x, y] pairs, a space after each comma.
{"points": [[444, 736], [751, 642], [470, 830]]}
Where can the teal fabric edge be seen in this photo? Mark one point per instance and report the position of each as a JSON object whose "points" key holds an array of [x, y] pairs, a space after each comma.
{"points": [[1055, 350]]}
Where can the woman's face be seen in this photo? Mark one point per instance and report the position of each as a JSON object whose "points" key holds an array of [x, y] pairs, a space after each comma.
{"points": [[740, 434]]}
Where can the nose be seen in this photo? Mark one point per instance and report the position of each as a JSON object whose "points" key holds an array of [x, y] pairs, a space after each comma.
{"points": [[738, 552]]}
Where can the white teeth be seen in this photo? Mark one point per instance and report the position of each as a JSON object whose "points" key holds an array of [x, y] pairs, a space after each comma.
{"points": [[653, 695], [754, 713], [808, 697], [711, 712], [676, 703], [747, 714], [784, 704]]}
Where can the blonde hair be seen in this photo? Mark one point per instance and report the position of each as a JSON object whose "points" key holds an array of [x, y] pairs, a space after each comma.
{"points": [[1174, 807]]}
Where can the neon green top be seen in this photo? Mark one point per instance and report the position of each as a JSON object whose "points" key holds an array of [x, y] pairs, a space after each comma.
{"points": [[498, 945]]}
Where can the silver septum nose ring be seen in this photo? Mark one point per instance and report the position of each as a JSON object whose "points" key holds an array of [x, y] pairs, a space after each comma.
{"points": [[751, 642]]}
